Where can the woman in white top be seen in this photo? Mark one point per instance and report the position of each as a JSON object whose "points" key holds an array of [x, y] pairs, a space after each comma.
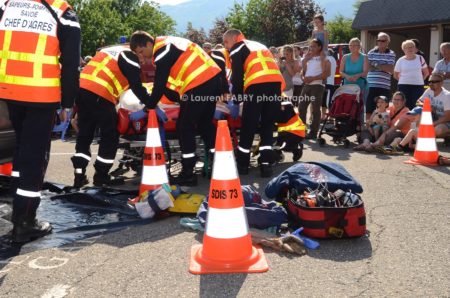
{"points": [[411, 71], [316, 69]]}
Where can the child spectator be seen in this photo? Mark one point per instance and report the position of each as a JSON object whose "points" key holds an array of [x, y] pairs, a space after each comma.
{"points": [[380, 119], [320, 32]]}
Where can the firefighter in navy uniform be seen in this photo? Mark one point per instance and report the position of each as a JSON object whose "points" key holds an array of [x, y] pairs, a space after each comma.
{"points": [[40, 53], [110, 72], [257, 80], [219, 56], [186, 74]]}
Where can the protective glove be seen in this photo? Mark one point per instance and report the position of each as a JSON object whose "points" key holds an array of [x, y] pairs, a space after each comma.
{"points": [[161, 115], [138, 115], [218, 115], [289, 244], [234, 110]]}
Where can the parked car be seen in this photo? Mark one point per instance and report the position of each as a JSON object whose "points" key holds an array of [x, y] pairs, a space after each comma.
{"points": [[7, 137]]}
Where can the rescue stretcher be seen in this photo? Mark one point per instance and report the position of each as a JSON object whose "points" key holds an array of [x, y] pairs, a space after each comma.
{"points": [[133, 135]]}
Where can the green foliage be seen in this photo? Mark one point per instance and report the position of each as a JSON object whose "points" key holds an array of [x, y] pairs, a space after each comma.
{"points": [[340, 29], [102, 22], [274, 22], [216, 33], [194, 35]]}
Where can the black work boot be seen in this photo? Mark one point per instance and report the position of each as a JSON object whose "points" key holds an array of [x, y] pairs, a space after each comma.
{"points": [[266, 170], [29, 230], [185, 179], [104, 179], [80, 179]]}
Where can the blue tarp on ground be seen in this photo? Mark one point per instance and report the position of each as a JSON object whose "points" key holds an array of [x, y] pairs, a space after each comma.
{"points": [[311, 174]]}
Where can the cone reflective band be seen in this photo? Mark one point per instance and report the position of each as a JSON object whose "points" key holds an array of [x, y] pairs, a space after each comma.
{"points": [[6, 169], [154, 172], [227, 243], [426, 152]]}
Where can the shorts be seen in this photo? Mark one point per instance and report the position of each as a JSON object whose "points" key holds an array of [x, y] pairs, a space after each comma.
{"points": [[390, 137]]}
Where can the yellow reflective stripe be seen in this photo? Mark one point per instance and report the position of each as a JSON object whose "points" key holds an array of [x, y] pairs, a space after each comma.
{"points": [[260, 59], [58, 4], [26, 81], [196, 53], [158, 45], [40, 49], [100, 82], [101, 66], [297, 125], [192, 76], [6, 45], [260, 74], [107, 71], [28, 57]]}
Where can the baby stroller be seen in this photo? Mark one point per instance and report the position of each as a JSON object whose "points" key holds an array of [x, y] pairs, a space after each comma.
{"points": [[343, 119]]}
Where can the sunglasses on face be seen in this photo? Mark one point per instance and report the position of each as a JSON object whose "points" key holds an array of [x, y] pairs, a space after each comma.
{"points": [[434, 82], [381, 40]]}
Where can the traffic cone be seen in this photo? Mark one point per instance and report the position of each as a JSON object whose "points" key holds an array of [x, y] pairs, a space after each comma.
{"points": [[227, 244], [426, 152], [154, 172], [6, 169]]}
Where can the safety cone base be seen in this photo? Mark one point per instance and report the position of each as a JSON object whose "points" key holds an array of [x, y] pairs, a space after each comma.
{"points": [[416, 162], [256, 263]]}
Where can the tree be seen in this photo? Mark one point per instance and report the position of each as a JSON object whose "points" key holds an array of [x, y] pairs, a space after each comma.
{"points": [[340, 29], [100, 25], [274, 22], [194, 35], [216, 33], [150, 19], [102, 22]]}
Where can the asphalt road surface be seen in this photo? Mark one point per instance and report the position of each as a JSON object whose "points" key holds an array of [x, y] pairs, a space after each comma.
{"points": [[406, 251]]}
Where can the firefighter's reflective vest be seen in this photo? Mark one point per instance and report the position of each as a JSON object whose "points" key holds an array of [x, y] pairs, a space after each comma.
{"points": [[260, 65], [29, 51], [102, 75], [193, 68], [295, 125]]}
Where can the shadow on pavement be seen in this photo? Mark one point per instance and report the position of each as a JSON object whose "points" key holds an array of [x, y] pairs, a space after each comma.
{"points": [[343, 250], [221, 285]]}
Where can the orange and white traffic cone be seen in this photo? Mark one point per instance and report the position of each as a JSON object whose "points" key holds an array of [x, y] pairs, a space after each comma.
{"points": [[426, 152], [6, 169], [154, 172], [227, 243]]}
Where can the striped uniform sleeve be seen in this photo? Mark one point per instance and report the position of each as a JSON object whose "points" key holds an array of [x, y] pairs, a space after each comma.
{"points": [[69, 35]]}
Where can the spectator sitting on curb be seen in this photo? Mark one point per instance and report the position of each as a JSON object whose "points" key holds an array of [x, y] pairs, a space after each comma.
{"points": [[379, 122], [440, 105], [400, 125], [406, 144]]}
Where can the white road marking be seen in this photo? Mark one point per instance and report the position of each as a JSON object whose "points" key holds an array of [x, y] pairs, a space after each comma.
{"points": [[58, 291], [34, 263]]}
